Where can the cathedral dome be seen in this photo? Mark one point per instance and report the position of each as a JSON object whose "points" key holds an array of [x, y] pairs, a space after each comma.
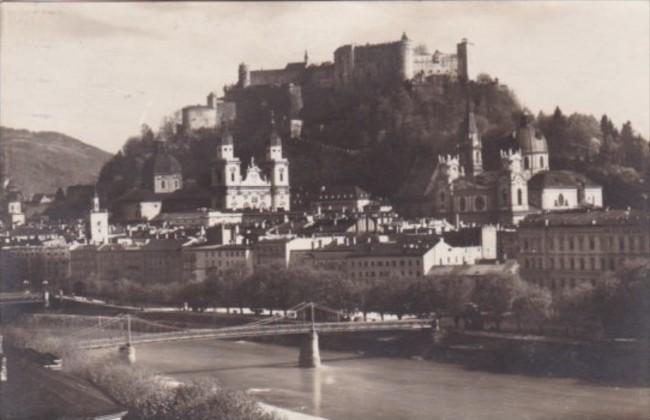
{"points": [[166, 164], [530, 139]]}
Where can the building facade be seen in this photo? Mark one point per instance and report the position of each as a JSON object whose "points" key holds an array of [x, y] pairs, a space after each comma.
{"points": [[460, 190], [261, 188], [565, 249]]}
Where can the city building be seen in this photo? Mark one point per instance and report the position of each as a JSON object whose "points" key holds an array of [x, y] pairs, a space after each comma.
{"points": [[202, 260], [155, 261], [341, 199], [34, 264], [562, 250]]}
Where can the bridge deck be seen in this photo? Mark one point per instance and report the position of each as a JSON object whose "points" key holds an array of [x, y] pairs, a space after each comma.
{"points": [[260, 331]]}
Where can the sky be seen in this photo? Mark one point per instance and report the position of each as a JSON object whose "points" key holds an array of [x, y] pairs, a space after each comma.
{"points": [[97, 71]]}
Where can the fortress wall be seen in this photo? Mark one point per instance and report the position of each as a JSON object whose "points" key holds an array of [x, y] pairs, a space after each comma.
{"points": [[196, 117], [275, 77], [447, 64]]}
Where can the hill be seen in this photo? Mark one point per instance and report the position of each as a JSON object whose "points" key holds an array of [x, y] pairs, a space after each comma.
{"points": [[42, 162], [375, 136]]}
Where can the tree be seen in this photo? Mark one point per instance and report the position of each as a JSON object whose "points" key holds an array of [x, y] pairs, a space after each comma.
{"points": [[495, 294], [532, 306]]}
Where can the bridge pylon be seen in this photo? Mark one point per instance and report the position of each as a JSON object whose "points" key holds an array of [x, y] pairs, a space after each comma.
{"points": [[309, 350], [128, 350]]}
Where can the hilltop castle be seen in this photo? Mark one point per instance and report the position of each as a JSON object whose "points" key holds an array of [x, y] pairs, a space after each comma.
{"points": [[282, 89], [386, 62]]}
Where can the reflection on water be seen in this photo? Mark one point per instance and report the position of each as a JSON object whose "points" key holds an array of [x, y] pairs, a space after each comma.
{"points": [[352, 387]]}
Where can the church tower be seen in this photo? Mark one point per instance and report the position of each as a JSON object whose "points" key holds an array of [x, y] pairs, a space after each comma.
{"points": [[226, 172], [471, 145], [512, 188], [98, 223], [278, 168], [533, 147]]}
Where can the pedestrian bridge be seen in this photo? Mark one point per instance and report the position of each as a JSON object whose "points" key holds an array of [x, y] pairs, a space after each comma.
{"points": [[252, 331], [127, 331]]}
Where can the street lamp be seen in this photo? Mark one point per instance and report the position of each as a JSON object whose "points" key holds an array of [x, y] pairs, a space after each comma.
{"points": [[26, 286]]}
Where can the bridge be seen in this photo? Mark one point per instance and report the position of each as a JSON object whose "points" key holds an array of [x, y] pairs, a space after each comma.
{"points": [[126, 331]]}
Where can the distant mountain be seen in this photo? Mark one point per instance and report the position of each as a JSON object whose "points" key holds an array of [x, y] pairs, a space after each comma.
{"points": [[41, 162]]}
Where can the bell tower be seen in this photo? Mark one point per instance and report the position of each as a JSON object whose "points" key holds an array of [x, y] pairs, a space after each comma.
{"points": [[278, 168], [471, 147], [226, 172]]}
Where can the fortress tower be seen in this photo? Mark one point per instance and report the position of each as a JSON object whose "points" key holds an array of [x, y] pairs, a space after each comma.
{"points": [[406, 58], [463, 64], [244, 76]]}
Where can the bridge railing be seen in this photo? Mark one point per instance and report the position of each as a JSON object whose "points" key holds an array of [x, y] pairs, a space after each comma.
{"points": [[260, 331]]}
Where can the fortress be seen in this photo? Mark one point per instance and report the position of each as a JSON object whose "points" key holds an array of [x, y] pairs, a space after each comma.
{"points": [[282, 89], [386, 62]]}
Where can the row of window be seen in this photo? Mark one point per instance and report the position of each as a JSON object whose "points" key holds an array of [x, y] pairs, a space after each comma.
{"points": [[367, 274], [588, 243], [225, 253], [392, 263], [561, 283], [571, 263]]}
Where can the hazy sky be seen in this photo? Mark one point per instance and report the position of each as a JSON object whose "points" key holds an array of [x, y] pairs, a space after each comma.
{"points": [[96, 71]]}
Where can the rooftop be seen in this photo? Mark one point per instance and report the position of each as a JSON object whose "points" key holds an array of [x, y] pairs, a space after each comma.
{"points": [[589, 218], [559, 179]]}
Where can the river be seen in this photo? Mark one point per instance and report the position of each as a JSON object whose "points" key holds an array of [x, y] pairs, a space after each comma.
{"points": [[353, 387]]}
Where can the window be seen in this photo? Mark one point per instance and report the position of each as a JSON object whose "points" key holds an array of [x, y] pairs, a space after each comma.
{"points": [[479, 203], [281, 175], [571, 244], [621, 244], [526, 163], [592, 243], [462, 204], [442, 196], [519, 197], [232, 176], [560, 200], [541, 161], [162, 184]]}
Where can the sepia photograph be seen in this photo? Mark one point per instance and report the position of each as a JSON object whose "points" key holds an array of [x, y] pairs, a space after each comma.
{"points": [[325, 210]]}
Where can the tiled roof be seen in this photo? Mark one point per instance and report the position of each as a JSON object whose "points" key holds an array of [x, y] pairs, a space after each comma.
{"points": [[138, 195], [166, 164], [589, 218], [559, 179], [463, 237], [163, 245]]}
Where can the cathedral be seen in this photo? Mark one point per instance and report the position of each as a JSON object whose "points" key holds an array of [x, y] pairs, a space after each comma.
{"points": [[460, 190], [261, 188]]}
